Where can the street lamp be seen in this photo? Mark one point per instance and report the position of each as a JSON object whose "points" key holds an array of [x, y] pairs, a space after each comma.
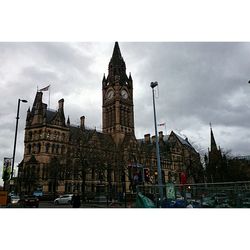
{"points": [[153, 85], [14, 150]]}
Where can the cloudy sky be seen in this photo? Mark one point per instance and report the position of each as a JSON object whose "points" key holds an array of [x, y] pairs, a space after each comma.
{"points": [[199, 83]]}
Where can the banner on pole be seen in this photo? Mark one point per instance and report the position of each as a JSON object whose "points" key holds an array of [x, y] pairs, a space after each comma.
{"points": [[170, 191], [6, 168]]}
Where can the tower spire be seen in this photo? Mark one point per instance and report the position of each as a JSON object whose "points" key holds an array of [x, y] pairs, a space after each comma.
{"points": [[213, 143], [116, 52], [117, 67]]}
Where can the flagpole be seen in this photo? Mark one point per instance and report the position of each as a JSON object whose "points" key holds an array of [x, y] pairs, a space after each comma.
{"points": [[49, 95]]}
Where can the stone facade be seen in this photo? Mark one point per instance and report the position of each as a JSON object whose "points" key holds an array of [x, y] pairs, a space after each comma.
{"points": [[60, 157]]}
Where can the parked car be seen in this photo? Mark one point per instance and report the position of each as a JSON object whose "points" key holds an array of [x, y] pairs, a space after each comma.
{"points": [[29, 201], [63, 199], [14, 199]]}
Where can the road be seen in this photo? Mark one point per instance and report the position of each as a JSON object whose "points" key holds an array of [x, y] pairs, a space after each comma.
{"points": [[50, 204]]}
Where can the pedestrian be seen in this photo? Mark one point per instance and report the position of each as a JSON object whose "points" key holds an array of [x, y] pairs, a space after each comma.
{"points": [[76, 201]]}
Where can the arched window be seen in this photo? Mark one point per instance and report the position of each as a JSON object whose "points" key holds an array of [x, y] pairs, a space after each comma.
{"points": [[48, 134], [54, 137], [38, 148], [57, 149], [47, 147], [33, 150], [63, 150], [38, 172], [35, 135], [53, 149], [29, 149], [30, 136]]}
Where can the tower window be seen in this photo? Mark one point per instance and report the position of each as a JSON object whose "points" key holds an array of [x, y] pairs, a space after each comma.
{"points": [[29, 149], [38, 147], [53, 149], [30, 135], [47, 147]]}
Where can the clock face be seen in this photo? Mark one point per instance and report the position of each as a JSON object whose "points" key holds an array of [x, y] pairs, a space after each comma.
{"points": [[110, 94], [124, 94]]}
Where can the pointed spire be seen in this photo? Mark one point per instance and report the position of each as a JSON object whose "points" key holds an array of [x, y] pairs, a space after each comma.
{"points": [[104, 78], [213, 143], [117, 67], [68, 121], [116, 59], [116, 51]]}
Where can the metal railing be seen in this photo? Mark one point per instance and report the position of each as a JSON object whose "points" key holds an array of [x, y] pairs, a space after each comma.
{"points": [[222, 194]]}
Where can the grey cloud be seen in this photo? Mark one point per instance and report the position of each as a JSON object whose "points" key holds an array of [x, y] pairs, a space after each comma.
{"points": [[198, 83]]}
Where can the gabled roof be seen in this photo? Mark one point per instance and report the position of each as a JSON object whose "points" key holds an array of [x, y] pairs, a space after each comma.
{"points": [[184, 142]]}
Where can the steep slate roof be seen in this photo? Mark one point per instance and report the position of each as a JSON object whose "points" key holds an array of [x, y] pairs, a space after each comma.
{"points": [[184, 141], [87, 135], [50, 115]]}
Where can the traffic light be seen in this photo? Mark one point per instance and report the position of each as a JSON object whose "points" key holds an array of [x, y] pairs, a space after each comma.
{"points": [[146, 175]]}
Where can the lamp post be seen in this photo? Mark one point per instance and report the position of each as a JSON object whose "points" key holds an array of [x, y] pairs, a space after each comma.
{"points": [[14, 150], [153, 85]]}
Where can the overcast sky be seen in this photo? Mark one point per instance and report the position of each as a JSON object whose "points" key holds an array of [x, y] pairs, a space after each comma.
{"points": [[199, 83]]}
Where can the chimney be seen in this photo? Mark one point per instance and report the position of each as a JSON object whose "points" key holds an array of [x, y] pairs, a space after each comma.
{"points": [[60, 104], [153, 139], [82, 123], [160, 136], [147, 138]]}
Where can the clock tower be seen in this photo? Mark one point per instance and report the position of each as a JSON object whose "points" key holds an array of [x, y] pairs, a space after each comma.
{"points": [[117, 99]]}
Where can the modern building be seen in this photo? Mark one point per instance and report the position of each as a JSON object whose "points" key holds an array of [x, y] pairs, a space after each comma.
{"points": [[60, 157]]}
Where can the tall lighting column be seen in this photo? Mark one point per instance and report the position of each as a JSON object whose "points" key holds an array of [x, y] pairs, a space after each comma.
{"points": [[14, 150], [153, 85]]}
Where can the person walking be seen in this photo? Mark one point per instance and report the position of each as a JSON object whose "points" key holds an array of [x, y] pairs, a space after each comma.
{"points": [[76, 201]]}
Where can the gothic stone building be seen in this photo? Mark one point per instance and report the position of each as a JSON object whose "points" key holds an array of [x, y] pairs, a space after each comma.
{"points": [[60, 157]]}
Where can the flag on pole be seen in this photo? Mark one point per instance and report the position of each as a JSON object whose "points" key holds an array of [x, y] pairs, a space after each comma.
{"points": [[162, 124], [45, 88]]}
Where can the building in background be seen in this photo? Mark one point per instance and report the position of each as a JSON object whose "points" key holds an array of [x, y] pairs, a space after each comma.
{"points": [[60, 157]]}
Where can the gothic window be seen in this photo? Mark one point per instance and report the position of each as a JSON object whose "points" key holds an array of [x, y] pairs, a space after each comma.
{"points": [[29, 149], [55, 135], [43, 172], [48, 134], [47, 147], [63, 149], [28, 172], [40, 134], [30, 136], [63, 136], [57, 149], [53, 149], [38, 148], [33, 148], [93, 174], [35, 135], [38, 172]]}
